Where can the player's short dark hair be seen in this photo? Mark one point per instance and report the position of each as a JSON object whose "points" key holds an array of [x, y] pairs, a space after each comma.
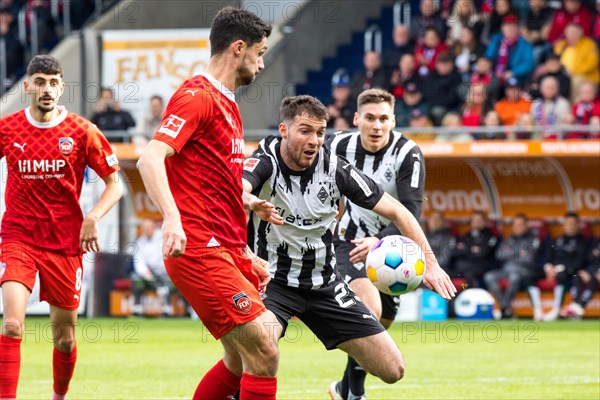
{"points": [[522, 216], [297, 105], [157, 97], [44, 64], [572, 214], [231, 24], [375, 95]]}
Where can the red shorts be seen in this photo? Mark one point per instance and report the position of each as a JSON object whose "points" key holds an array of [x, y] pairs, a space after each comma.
{"points": [[60, 275], [219, 284]]}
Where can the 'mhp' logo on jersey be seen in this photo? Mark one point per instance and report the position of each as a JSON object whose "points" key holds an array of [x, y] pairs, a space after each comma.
{"points": [[242, 302], [36, 166]]}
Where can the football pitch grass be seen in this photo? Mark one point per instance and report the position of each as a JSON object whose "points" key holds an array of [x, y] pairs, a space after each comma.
{"points": [[164, 359]]}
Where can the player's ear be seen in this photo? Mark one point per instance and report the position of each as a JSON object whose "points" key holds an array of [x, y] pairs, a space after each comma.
{"points": [[283, 130], [356, 115], [238, 47]]}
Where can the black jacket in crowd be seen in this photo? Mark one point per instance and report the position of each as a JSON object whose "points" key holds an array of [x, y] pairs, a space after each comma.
{"points": [[570, 251]]}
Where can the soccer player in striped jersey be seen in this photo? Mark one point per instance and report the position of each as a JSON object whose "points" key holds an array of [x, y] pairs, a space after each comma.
{"points": [[47, 150], [305, 181], [396, 164], [192, 169]]}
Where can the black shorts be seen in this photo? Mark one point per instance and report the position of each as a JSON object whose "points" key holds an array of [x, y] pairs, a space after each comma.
{"points": [[350, 271], [332, 313]]}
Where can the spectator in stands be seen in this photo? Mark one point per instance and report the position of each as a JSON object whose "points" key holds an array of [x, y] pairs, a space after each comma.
{"points": [[428, 51], [484, 74], [566, 258], [511, 53], [109, 116], [550, 109], [371, 76], [151, 121], [517, 258], [584, 284], [440, 239], [441, 89], [420, 120], [412, 99], [586, 107], [514, 104], [536, 27], [474, 252], [476, 106], [595, 121], [551, 67], [596, 27], [341, 106], [404, 73], [453, 120], [149, 268], [572, 11], [467, 50], [14, 49], [340, 124], [493, 26], [525, 121], [579, 56], [38, 12], [464, 15], [402, 44], [491, 120], [428, 18]]}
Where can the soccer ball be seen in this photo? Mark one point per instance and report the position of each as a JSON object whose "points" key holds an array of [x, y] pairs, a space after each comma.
{"points": [[396, 265]]}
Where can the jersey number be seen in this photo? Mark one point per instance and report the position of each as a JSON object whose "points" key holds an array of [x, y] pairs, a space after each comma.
{"points": [[341, 293]]}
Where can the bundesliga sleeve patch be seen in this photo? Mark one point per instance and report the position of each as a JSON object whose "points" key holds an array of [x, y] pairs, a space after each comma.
{"points": [[172, 126], [112, 160], [361, 183], [250, 164]]}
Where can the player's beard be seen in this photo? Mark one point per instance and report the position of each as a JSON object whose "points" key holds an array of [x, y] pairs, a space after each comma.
{"points": [[246, 76], [48, 108]]}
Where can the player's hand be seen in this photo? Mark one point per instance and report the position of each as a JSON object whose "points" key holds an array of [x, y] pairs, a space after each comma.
{"points": [[88, 236], [438, 280], [359, 253], [174, 239], [265, 211], [261, 269]]}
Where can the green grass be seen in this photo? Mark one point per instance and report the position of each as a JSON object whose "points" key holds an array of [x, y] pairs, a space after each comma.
{"points": [[160, 359]]}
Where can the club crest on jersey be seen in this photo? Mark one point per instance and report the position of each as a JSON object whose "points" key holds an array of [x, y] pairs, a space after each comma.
{"points": [[242, 302], [322, 195], [65, 145]]}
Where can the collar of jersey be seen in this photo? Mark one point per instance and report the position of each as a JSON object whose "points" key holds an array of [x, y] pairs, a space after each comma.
{"points": [[287, 171], [220, 87], [50, 124]]}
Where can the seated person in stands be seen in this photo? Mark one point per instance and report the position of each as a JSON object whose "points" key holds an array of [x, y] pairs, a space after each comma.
{"points": [[149, 267], [442, 87], [474, 252], [440, 239], [586, 107], [402, 44], [514, 104], [551, 108], [412, 99], [341, 106], [584, 284], [566, 258], [372, 76], [110, 117], [517, 258]]}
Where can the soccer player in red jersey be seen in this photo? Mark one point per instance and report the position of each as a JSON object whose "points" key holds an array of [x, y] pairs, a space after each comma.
{"points": [[47, 149], [192, 170]]}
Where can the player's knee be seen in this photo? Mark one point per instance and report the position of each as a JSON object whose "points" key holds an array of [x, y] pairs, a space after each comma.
{"points": [[64, 344], [394, 373], [12, 328]]}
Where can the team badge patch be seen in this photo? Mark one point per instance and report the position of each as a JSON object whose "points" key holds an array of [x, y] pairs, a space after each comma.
{"points": [[65, 145], [250, 164], [242, 302]]}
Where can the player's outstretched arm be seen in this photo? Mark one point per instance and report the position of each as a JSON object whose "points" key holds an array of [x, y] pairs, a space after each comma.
{"points": [[262, 208], [154, 174], [88, 236], [435, 277]]}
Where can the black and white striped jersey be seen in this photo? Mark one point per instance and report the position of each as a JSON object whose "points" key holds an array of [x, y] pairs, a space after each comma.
{"points": [[398, 168], [300, 252]]}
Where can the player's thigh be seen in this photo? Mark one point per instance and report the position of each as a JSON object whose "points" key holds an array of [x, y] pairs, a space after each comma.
{"points": [[214, 283], [368, 293], [335, 315], [61, 279], [18, 269], [378, 355], [63, 327]]}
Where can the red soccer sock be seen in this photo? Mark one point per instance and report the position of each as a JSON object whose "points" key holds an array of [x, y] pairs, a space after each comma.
{"points": [[218, 383], [63, 365], [257, 387], [10, 366]]}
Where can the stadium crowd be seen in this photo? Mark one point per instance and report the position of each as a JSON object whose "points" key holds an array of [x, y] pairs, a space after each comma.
{"points": [[526, 258], [484, 63]]}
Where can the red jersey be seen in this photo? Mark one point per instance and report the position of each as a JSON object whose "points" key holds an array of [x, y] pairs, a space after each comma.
{"points": [[46, 167], [202, 123]]}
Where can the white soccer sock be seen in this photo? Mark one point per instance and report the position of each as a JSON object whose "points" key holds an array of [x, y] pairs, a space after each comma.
{"points": [[558, 294]]}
